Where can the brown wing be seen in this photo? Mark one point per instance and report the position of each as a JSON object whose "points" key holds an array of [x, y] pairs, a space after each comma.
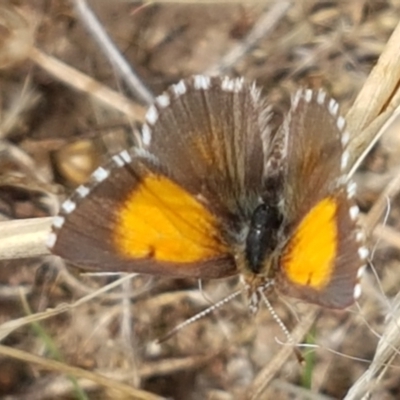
{"points": [[208, 132], [175, 206], [324, 249], [133, 217], [313, 148]]}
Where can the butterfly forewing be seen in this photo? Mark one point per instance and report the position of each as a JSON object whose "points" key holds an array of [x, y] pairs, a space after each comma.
{"points": [[209, 135], [313, 151]]}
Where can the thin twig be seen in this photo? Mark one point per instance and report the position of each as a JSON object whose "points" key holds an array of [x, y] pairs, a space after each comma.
{"points": [[9, 327], [265, 24], [101, 380], [265, 376], [387, 348], [380, 206], [116, 59]]}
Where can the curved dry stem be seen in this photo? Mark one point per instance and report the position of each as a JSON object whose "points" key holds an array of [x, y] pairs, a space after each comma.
{"points": [[101, 380], [80, 81]]}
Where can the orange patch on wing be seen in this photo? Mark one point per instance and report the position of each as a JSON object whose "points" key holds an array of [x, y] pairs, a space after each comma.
{"points": [[309, 256], [161, 220]]}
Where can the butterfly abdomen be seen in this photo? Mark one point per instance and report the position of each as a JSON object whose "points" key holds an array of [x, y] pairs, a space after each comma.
{"points": [[263, 236]]}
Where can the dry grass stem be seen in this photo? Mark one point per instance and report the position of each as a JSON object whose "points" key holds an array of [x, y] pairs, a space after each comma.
{"points": [[387, 349], [264, 25], [80, 81], [101, 380], [265, 376], [8, 327], [120, 64], [376, 94], [24, 238]]}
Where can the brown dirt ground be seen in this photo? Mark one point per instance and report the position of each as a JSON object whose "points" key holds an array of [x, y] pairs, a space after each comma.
{"points": [[52, 137]]}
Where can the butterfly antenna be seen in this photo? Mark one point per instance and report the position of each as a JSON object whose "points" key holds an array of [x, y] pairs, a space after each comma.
{"points": [[276, 317], [198, 316], [285, 330]]}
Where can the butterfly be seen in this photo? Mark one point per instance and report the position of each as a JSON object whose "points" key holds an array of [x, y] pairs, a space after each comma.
{"points": [[212, 191]]}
